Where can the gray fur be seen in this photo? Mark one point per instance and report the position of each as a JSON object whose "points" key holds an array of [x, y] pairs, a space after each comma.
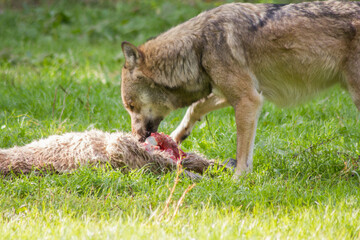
{"points": [[239, 54]]}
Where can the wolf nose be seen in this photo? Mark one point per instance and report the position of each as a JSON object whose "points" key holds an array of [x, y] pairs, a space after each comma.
{"points": [[142, 137], [147, 134]]}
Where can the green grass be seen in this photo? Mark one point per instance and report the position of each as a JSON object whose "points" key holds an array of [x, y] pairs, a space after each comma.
{"points": [[60, 68]]}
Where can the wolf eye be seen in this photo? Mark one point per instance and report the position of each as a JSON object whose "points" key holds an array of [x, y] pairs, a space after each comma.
{"points": [[141, 78], [131, 107]]}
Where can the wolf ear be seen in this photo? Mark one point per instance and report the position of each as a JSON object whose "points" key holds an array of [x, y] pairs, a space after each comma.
{"points": [[132, 54]]}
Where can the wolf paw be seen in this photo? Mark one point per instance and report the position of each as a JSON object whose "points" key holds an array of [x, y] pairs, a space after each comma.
{"points": [[179, 135]]}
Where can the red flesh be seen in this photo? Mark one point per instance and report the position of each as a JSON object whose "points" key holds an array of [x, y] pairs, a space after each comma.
{"points": [[167, 144]]}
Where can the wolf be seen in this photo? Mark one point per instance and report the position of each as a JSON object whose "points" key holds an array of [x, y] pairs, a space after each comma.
{"points": [[237, 55]]}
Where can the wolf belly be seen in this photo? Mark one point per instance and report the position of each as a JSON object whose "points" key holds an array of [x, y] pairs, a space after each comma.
{"points": [[290, 85]]}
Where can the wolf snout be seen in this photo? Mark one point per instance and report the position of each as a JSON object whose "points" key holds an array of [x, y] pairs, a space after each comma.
{"points": [[144, 132], [141, 136]]}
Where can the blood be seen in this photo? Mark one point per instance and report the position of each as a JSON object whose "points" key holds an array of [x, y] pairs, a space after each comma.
{"points": [[163, 142]]}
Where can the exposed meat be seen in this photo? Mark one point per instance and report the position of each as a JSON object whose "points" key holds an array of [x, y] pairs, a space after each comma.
{"points": [[163, 142]]}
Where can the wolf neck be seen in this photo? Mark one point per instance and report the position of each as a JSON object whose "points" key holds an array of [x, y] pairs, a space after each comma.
{"points": [[174, 57], [181, 97], [175, 64]]}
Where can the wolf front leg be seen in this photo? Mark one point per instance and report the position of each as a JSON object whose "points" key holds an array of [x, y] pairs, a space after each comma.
{"points": [[247, 111], [238, 85], [195, 112]]}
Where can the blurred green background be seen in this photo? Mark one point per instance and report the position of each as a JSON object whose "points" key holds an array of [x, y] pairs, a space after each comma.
{"points": [[60, 71]]}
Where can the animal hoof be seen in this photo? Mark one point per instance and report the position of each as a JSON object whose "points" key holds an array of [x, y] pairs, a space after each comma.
{"points": [[230, 163], [192, 176]]}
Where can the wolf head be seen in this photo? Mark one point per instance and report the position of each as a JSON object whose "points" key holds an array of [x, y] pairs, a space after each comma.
{"points": [[146, 102]]}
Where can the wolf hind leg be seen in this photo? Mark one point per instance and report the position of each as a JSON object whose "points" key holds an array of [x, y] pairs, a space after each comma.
{"points": [[352, 77], [355, 94], [352, 67], [195, 113]]}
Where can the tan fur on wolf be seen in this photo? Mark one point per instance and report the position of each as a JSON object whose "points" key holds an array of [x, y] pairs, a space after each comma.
{"points": [[64, 153], [236, 55]]}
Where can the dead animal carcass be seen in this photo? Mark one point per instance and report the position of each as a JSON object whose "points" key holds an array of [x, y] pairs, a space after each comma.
{"points": [[64, 153]]}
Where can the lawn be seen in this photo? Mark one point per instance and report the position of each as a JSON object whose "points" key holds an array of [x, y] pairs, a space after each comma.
{"points": [[60, 71]]}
